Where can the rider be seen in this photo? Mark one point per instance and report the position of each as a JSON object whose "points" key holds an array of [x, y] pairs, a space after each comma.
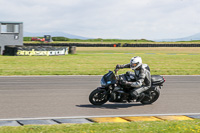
{"points": [[142, 76]]}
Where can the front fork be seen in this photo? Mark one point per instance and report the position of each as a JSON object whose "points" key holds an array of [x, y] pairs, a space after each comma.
{"points": [[106, 92]]}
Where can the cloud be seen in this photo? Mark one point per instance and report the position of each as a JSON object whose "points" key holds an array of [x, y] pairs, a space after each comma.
{"points": [[130, 19]]}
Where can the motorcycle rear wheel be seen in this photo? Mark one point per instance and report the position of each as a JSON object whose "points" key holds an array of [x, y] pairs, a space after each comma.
{"points": [[151, 99], [98, 97]]}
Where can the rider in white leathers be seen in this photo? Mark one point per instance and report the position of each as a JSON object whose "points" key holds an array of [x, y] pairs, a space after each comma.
{"points": [[142, 76]]}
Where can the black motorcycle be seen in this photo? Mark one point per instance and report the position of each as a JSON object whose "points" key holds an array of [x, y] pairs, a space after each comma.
{"points": [[113, 91]]}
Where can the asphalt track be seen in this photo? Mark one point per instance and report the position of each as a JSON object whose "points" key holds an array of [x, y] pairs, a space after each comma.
{"points": [[67, 96]]}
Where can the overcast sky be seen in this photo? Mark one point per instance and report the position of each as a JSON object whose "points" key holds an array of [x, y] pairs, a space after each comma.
{"points": [[124, 19]]}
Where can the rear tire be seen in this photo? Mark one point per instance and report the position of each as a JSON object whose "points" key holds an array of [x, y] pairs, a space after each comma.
{"points": [[98, 97], [152, 98]]}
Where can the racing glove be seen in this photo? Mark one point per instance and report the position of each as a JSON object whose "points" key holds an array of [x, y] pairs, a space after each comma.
{"points": [[119, 66]]}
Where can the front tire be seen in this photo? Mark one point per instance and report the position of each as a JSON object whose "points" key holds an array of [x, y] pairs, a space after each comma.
{"points": [[149, 100], [98, 97]]}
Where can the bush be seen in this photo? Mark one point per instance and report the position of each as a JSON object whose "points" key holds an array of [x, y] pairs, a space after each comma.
{"points": [[60, 39], [27, 38]]}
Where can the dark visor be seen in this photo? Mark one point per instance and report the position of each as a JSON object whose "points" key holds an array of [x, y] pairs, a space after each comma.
{"points": [[134, 64]]}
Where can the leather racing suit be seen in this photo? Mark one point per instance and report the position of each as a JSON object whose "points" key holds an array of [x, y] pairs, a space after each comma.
{"points": [[143, 79]]}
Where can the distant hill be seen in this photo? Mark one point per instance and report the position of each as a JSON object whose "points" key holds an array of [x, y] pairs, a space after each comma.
{"points": [[54, 34], [62, 34], [189, 38]]}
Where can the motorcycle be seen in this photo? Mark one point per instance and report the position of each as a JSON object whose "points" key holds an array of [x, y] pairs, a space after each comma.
{"points": [[113, 91]]}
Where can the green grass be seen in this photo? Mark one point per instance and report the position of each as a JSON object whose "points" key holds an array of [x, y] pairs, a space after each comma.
{"points": [[132, 127], [99, 64], [99, 40], [111, 40]]}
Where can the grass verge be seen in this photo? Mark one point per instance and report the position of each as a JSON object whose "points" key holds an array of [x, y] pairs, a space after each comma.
{"points": [[187, 62], [132, 127]]}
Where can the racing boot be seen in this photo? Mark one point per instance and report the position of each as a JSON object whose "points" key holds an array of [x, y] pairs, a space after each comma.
{"points": [[142, 95], [134, 95]]}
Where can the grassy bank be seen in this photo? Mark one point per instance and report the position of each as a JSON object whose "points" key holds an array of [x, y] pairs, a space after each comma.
{"points": [[132, 127], [164, 62], [99, 40]]}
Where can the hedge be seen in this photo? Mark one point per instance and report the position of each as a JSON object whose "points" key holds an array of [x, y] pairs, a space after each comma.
{"points": [[60, 39]]}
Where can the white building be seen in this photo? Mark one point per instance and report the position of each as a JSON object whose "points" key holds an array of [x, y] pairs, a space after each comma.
{"points": [[11, 33]]}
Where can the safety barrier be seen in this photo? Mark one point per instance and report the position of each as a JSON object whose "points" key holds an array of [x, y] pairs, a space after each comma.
{"points": [[161, 45], [62, 48], [72, 44], [113, 45], [34, 50]]}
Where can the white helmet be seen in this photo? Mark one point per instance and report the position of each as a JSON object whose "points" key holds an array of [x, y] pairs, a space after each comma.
{"points": [[135, 62]]}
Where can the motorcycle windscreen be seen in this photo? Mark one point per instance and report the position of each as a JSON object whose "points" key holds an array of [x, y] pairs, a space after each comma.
{"points": [[110, 78]]}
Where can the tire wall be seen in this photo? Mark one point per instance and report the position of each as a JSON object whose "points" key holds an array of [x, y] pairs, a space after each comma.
{"points": [[111, 45], [72, 44], [161, 45], [49, 49]]}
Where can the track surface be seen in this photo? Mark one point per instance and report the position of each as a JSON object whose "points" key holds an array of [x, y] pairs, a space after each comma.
{"points": [[65, 96]]}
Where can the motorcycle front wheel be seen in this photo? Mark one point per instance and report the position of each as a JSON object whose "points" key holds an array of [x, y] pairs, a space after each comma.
{"points": [[98, 97], [152, 98]]}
